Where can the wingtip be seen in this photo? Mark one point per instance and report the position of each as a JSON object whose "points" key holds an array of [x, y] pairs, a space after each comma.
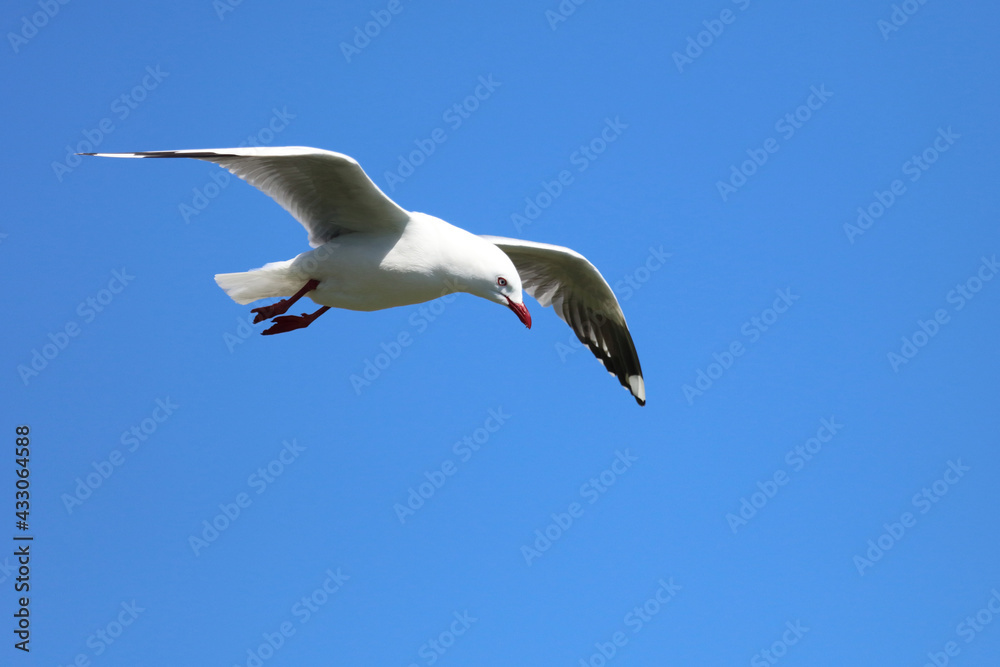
{"points": [[637, 386], [113, 154]]}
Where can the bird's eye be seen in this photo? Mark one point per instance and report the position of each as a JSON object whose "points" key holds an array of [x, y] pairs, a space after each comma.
{"points": [[502, 282]]}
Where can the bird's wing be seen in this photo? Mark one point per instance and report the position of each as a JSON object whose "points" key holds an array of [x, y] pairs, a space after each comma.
{"points": [[329, 193], [564, 279]]}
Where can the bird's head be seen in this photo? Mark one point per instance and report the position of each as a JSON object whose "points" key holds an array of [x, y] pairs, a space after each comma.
{"points": [[509, 290], [498, 280]]}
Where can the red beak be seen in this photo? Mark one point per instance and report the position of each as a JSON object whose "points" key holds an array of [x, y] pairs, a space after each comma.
{"points": [[521, 310]]}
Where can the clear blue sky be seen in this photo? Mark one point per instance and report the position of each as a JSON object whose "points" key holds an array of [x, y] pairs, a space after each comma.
{"points": [[814, 474]]}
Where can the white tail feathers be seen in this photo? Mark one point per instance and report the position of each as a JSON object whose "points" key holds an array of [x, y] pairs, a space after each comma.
{"points": [[271, 280]]}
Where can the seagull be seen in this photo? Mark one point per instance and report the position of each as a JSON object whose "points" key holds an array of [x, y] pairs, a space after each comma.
{"points": [[369, 254]]}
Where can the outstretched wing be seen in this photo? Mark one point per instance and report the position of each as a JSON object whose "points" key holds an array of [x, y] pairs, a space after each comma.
{"points": [[329, 193], [564, 279]]}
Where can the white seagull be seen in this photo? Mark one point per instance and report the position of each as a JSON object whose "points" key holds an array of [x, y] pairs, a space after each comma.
{"points": [[370, 254]]}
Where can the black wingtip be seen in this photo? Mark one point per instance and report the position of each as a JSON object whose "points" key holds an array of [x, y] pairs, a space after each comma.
{"points": [[199, 154]]}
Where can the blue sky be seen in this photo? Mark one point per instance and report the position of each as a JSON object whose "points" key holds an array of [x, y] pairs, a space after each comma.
{"points": [[797, 207]]}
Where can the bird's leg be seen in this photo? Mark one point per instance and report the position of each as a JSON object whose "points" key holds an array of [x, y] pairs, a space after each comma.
{"points": [[281, 307], [292, 322]]}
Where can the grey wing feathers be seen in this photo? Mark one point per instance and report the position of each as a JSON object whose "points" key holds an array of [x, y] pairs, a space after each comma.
{"points": [[564, 279], [329, 193]]}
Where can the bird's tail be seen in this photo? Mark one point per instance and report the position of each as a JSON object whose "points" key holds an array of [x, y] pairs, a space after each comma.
{"points": [[271, 280]]}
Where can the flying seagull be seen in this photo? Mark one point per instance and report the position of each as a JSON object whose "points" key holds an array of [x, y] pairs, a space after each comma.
{"points": [[369, 254]]}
